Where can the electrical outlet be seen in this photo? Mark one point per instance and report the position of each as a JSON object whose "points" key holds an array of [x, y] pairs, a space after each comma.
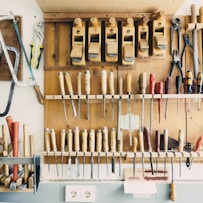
{"points": [[87, 194], [72, 194]]}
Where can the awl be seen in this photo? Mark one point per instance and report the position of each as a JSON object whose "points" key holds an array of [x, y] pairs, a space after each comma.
{"points": [[77, 149], [87, 90]]}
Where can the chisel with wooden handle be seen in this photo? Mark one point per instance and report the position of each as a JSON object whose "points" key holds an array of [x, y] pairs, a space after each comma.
{"points": [[79, 91], [92, 149], [105, 145], [87, 90], [141, 146], [63, 137], [135, 142], [112, 91], [25, 149], [77, 149], [104, 89], [84, 148], [129, 91], [70, 90], [113, 148], [69, 149], [47, 141], [98, 149], [61, 83]]}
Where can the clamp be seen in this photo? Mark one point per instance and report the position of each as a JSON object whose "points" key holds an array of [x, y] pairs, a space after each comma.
{"points": [[176, 27], [176, 61]]}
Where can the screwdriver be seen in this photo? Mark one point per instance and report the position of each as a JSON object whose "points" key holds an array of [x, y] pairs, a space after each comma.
{"points": [[70, 149], [54, 148], [120, 149], [113, 148], [92, 148], [63, 137], [61, 82], [167, 88], [79, 76], [199, 87], [178, 82], [142, 86], [129, 91], [151, 91], [99, 147], [165, 148], [87, 90], [141, 146], [70, 90], [189, 86], [134, 150], [180, 147], [157, 144], [104, 89], [77, 149], [112, 91], [105, 145], [84, 148], [159, 90]]}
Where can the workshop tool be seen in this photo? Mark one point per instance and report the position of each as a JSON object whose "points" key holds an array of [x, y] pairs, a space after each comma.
{"points": [[9, 120], [112, 90], [62, 88], [199, 87], [104, 89], [113, 149], [25, 150], [70, 90], [142, 88], [105, 145], [134, 150], [151, 91], [147, 138], [77, 149], [189, 86], [84, 148], [157, 145], [54, 148], [167, 88], [172, 185], [120, 92], [33, 82], [176, 22], [5, 148], [79, 91], [69, 149], [178, 83], [37, 44], [87, 90], [129, 91], [31, 142], [47, 145], [188, 148], [92, 149], [165, 148], [180, 148], [141, 146], [120, 150], [159, 90], [98, 149], [63, 138]]}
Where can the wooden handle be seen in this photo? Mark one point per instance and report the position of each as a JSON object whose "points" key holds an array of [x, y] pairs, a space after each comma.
{"points": [[181, 140], [25, 149], [76, 139], [9, 121], [68, 82], [70, 140], [53, 140], [92, 140], [39, 94], [120, 142], [113, 140], [172, 194], [193, 14], [157, 140], [47, 139], [87, 82], [79, 78], [147, 137], [165, 140], [201, 14], [99, 140], [135, 142], [105, 139], [103, 82], [143, 82], [31, 141], [61, 82], [129, 83], [120, 86], [5, 148], [63, 137], [141, 140], [84, 140], [111, 82]]}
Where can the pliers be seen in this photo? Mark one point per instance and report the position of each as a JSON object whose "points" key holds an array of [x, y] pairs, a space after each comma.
{"points": [[176, 27], [176, 61]]}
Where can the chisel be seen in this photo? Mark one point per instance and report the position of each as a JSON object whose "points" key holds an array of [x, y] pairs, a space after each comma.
{"points": [[92, 149], [79, 91], [134, 150], [189, 86], [25, 149], [199, 87], [70, 90], [104, 89], [165, 148], [84, 148], [159, 90], [129, 91], [63, 137], [61, 83], [157, 144], [54, 148], [141, 146], [178, 82], [112, 91], [47, 145], [87, 90], [69, 149], [105, 146], [98, 147], [142, 86], [167, 88], [180, 148], [151, 91], [77, 149], [113, 148], [120, 150]]}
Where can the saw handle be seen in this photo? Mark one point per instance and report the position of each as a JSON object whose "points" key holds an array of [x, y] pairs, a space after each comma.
{"points": [[40, 97]]}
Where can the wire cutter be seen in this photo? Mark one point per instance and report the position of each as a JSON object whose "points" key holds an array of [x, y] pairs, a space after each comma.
{"points": [[176, 61]]}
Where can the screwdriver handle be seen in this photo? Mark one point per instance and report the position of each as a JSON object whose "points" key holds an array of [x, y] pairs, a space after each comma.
{"points": [[99, 140], [172, 194], [53, 140], [193, 14], [68, 82], [120, 86], [199, 143], [61, 82], [84, 140], [120, 142], [151, 83], [113, 140], [189, 81], [159, 87], [87, 82], [148, 138], [92, 140], [111, 82], [47, 139], [70, 140], [141, 140], [79, 78], [199, 82], [157, 140], [135, 142], [178, 82], [143, 82], [165, 140], [167, 84], [76, 139], [129, 83], [103, 82], [181, 140], [105, 139], [63, 137]]}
